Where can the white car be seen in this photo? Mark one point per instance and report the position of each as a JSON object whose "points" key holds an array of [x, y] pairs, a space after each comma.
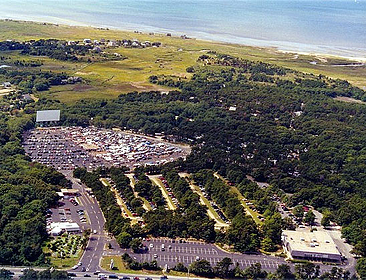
{"points": [[151, 245]]}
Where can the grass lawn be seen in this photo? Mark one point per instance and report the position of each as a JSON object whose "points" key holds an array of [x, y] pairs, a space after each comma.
{"points": [[164, 191], [121, 267], [65, 251], [205, 200], [118, 263], [241, 198], [108, 79]]}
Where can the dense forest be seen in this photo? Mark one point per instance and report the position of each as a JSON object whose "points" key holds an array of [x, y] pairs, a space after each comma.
{"points": [[27, 190], [286, 130], [244, 117]]}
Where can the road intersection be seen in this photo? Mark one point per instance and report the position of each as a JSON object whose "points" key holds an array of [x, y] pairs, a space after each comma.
{"points": [[175, 251]]}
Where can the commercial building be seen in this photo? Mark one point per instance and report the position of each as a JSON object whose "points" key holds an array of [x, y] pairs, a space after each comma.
{"points": [[58, 228], [69, 192], [316, 245]]}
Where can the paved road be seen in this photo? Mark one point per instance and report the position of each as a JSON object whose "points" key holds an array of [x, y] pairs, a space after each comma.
{"points": [[80, 275], [179, 252], [193, 250], [94, 251]]}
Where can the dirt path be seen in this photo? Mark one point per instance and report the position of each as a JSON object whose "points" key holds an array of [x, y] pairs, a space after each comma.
{"points": [[155, 179], [125, 212], [249, 211], [219, 223], [146, 204]]}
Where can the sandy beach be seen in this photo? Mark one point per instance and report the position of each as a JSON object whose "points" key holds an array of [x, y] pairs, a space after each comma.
{"points": [[337, 31]]}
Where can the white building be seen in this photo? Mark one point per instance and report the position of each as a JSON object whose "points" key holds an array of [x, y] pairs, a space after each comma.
{"points": [[48, 116], [316, 245], [60, 227]]}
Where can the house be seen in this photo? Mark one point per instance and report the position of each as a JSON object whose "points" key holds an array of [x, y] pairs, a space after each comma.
{"points": [[87, 41], [135, 44], [97, 49], [156, 44], [112, 43], [6, 84]]}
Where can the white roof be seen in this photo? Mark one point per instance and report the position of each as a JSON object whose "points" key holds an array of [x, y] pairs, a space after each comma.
{"points": [[65, 225], [48, 116], [56, 230], [315, 242]]}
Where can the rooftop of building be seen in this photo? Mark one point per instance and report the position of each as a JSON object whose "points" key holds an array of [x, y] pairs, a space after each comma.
{"points": [[306, 241], [64, 225]]}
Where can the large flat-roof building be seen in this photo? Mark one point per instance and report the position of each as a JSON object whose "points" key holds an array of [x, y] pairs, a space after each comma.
{"points": [[48, 116], [316, 245], [59, 227]]}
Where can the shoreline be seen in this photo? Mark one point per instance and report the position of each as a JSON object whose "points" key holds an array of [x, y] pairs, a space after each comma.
{"points": [[316, 51]]}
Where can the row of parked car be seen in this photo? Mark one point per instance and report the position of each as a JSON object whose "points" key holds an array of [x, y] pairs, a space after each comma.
{"points": [[114, 276], [170, 192]]}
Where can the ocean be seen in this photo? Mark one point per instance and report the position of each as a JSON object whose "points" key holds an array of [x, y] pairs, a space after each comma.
{"points": [[319, 26]]}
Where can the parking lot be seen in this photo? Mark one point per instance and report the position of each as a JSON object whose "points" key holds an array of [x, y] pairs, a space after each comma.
{"points": [[190, 251], [65, 148], [69, 212], [49, 146]]}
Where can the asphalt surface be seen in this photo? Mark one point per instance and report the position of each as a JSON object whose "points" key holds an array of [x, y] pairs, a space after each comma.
{"points": [[98, 238], [180, 252], [18, 271], [186, 253], [194, 250]]}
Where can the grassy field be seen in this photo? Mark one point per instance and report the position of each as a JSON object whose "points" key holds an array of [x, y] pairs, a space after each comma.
{"points": [[242, 201], [62, 254], [111, 78], [118, 263], [164, 191]]}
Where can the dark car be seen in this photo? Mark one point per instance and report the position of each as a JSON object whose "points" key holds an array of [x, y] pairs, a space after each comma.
{"points": [[87, 275], [83, 269], [113, 276], [71, 274]]}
